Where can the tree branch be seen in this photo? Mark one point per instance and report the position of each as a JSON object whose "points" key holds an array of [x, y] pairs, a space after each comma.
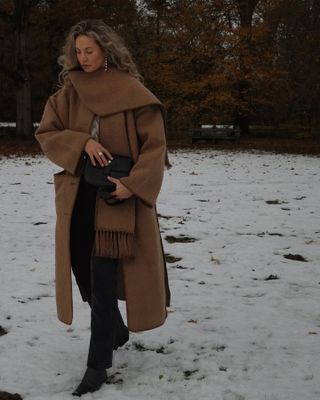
{"points": [[33, 3], [6, 16], [14, 75]]}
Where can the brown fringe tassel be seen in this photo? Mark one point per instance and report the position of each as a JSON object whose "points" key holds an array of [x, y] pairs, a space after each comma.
{"points": [[113, 244]]}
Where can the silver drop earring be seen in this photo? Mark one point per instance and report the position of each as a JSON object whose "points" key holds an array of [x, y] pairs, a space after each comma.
{"points": [[106, 63]]}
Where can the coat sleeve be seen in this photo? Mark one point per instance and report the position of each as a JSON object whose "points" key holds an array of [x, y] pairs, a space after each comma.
{"points": [[61, 145], [146, 175]]}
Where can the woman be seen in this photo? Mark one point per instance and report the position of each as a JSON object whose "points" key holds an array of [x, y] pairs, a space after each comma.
{"points": [[115, 252]]}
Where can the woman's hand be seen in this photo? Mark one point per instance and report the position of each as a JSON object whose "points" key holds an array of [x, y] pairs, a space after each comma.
{"points": [[121, 191], [97, 152]]}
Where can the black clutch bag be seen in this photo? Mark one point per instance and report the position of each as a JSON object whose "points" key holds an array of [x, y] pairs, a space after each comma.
{"points": [[118, 167]]}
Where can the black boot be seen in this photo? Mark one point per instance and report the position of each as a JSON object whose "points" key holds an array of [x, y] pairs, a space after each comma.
{"points": [[91, 381], [121, 338]]}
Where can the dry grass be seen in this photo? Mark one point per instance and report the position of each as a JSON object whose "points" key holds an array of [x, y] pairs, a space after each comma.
{"points": [[12, 146], [278, 145]]}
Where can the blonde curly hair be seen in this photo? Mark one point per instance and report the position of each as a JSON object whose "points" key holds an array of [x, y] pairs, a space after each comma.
{"points": [[109, 41]]}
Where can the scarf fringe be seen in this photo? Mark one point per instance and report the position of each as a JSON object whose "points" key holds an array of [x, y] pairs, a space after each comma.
{"points": [[113, 244]]}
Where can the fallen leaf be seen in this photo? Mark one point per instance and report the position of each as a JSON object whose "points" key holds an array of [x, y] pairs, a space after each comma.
{"points": [[296, 257]]}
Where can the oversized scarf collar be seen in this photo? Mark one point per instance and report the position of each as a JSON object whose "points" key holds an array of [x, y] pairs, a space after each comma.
{"points": [[109, 92]]}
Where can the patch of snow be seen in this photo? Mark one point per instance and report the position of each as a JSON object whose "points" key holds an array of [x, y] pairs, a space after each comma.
{"points": [[230, 333]]}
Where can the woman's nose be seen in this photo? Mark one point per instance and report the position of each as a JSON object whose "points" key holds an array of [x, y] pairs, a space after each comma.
{"points": [[82, 58]]}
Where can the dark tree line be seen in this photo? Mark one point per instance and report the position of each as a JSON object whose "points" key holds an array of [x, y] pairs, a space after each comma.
{"points": [[244, 61]]}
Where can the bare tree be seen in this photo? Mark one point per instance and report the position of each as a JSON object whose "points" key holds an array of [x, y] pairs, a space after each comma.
{"points": [[18, 19], [246, 10]]}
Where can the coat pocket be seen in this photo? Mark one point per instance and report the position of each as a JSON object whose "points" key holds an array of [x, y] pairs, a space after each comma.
{"points": [[66, 187]]}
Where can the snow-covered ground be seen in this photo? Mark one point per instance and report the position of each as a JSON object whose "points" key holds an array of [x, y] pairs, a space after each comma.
{"points": [[232, 333]]}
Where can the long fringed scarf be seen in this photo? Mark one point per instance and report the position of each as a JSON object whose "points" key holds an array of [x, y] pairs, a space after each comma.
{"points": [[114, 225], [115, 228], [107, 93]]}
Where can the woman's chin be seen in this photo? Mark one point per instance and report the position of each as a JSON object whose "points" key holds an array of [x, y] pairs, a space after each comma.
{"points": [[91, 69]]}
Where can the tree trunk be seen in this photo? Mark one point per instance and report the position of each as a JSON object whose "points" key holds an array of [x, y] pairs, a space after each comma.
{"points": [[245, 9], [23, 91]]}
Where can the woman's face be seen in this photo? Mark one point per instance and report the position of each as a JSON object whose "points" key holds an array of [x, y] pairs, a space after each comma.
{"points": [[89, 53]]}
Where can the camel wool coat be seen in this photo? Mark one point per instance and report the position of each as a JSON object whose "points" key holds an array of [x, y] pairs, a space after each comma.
{"points": [[131, 124]]}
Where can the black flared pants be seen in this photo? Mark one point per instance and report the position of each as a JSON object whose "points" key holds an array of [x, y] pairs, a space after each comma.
{"points": [[97, 281]]}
